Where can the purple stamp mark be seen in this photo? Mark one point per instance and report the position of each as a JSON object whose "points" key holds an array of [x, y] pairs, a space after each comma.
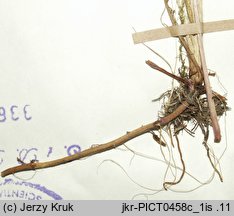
{"points": [[24, 190]]}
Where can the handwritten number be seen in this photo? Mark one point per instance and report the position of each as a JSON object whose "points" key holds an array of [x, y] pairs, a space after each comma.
{"points": [[14, 114], [1, 159], [27, 117], [2, 114], [73, 149], [13, 117]]}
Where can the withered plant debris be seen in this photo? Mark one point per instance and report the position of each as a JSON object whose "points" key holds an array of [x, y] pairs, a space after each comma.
{"points": [[197, 113]]}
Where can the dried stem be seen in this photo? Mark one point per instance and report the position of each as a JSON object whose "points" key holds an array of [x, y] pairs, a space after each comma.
{"points": [[156, 67], [99, 148], [213, 114]]}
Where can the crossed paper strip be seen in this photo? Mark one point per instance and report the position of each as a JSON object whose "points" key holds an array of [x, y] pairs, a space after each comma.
{"points": [[180, 30]]}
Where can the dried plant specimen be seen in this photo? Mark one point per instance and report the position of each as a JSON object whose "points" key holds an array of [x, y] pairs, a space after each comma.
{"points": [[191, 101]]}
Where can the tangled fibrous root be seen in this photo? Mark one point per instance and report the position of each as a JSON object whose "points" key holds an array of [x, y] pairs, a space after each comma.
{"points": [[197, 112]]}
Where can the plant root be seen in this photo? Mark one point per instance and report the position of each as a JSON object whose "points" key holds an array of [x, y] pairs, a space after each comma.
{"points": [[165, 184]]}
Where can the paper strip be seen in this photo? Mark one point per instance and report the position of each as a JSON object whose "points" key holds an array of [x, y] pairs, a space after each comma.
{"points": [[180, 30]]}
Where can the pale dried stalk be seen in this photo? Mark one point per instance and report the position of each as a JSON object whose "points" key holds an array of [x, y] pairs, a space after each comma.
{"points": [[193, 61], [189, 11], [192, 41]]}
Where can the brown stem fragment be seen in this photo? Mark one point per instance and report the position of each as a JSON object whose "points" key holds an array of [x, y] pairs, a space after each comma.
{"points": [[213, 114], [88, 152], [158, 139], [156, 125], [165, 120], [156, 67]]}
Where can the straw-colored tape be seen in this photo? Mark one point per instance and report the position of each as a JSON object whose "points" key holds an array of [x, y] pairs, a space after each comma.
{"points": [[180, 30]]}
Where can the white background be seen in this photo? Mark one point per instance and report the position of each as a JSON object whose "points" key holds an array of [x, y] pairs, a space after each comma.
{"points": [[75, 64]]}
